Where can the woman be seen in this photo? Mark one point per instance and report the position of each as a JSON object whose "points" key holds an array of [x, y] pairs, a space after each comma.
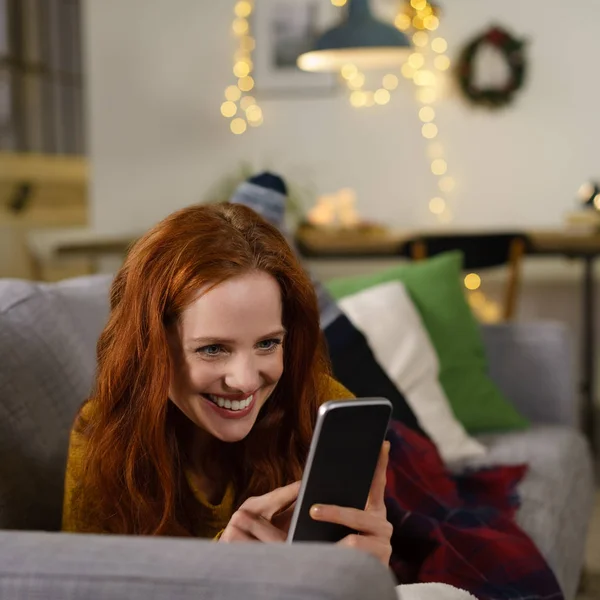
{"points": [[210, 374]]}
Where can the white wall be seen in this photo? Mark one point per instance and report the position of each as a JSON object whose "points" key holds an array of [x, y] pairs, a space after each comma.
{"points": [[156, 75]]}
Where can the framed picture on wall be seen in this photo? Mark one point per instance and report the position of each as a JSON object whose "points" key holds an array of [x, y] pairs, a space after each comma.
{"points": [[284, 29]]}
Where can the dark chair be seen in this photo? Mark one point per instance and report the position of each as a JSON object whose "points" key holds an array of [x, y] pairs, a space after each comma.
{"points": [[481, 251]]}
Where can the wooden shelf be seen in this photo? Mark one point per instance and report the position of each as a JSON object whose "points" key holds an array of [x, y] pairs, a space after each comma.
{"points": [[56, 194]]}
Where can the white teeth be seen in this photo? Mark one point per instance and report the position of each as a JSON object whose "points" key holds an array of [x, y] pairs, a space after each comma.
{"points": [[233, 405]]}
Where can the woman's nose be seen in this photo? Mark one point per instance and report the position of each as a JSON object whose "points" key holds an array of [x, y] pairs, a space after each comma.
{"points": [[243, 376]]}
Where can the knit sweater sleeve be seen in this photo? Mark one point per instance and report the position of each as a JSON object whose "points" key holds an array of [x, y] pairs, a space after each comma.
{"points": [[74, 518], [333, 390]]}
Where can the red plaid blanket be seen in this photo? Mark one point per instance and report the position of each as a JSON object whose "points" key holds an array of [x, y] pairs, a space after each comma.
{"points": [[460, 530]]}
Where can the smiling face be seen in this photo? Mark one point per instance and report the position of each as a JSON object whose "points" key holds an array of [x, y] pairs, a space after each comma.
{"points": [[227, 355]]}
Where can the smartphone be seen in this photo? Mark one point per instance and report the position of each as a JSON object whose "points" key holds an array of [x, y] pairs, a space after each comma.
{"points": [[341, 463]]}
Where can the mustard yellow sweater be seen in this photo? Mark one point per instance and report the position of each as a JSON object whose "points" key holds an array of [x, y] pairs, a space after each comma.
{"points": [[214, 517]]}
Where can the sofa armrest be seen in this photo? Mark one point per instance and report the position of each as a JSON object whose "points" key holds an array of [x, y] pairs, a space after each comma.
{"points": [[57, 565], [532, 363]]}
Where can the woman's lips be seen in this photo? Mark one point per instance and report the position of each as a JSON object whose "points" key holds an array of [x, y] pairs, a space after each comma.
{"points": [[230, 409]]}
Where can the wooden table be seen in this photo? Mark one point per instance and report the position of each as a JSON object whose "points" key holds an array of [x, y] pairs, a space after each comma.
{"points": [[348, 245]]}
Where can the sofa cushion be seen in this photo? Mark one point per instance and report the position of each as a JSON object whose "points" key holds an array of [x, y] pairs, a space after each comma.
{"points": [[48, 335], [387, 317], [556, 495], [356, 367], [435, 286]]}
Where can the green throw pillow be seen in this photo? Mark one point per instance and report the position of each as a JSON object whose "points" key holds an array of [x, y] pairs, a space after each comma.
{"points": [[435, 286]]}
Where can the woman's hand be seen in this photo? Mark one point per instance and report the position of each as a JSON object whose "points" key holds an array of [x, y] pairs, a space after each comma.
{"points": [[374, 530], [264, 518]]}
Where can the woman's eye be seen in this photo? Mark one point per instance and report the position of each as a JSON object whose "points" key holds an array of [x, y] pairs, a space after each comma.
{"points": [[212, 350], [269, 345]]}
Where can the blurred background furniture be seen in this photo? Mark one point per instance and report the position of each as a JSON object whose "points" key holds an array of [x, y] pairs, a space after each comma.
{"points": [[480, 251], [42, 193]]}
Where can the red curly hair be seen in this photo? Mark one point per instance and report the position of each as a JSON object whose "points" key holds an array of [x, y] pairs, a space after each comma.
{"points": [[136, 450]]}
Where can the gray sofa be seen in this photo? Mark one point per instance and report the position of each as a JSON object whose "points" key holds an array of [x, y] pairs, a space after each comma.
{"points": [[47, 356]]}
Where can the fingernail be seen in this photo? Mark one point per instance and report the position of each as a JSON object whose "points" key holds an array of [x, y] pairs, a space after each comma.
{"points": [[388, 447], [316, 510]]}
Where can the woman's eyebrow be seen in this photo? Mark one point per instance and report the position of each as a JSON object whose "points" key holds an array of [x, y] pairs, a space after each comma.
{"points": [[220, 340]]}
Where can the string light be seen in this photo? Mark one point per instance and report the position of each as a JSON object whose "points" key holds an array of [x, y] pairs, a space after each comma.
{"points": [[229, 109], [243, 9], [426, 96], [419, 15], [442, 63], [431, 22], [233, 93], [356, 82], [247, 44], [420, 39], [437, 205], [349, 72], [390, 82], [254, 115], [241, 69], [238, 126], [422, 67], [238, 103], [403, 22], [427, 114], [246, 102], [416, 60], [447, 184], [358, 99], [240, 26], [408, 71], [382, 96], [417, 22], [439, 45], [246, 84], [424, 78], [429, 131], [472, 281], [439, 166]]}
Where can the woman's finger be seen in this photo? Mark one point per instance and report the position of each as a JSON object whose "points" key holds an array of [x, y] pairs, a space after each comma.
{"points": [[376, 547], [377, 493], [233, 534], [256, 526], [283, 519], [364, 522], [273, 502]]}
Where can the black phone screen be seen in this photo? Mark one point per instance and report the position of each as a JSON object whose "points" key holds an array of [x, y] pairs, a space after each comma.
{"points": [[341, 464]]}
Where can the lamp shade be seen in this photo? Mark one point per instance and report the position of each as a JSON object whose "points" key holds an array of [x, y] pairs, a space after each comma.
{"points": [[361, 40]]}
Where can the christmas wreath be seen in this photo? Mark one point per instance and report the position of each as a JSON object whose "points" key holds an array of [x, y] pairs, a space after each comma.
{"points": [[514, 52]]}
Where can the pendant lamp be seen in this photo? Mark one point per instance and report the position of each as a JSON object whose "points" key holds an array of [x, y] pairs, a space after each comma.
{"points": [[361, 40]]}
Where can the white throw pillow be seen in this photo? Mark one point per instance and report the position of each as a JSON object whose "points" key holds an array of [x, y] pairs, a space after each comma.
{"points": [[388, 319]]}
